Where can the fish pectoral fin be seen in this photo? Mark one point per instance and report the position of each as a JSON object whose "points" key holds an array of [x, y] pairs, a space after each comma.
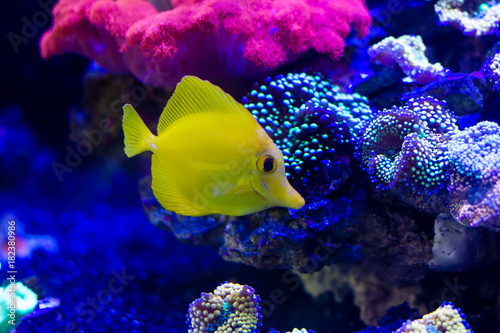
{"points": [[226, 189], [169, 197]]}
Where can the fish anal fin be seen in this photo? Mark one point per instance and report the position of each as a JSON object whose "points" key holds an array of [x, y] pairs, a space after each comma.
{"points": [[168, 196], [194, 95]]}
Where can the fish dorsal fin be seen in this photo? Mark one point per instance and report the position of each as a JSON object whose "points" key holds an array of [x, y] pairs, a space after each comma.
{"points": [[194, 95]]}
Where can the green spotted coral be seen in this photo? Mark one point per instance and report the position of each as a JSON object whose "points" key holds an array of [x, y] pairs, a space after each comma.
{"points": [[408, 144], [314, 124]]}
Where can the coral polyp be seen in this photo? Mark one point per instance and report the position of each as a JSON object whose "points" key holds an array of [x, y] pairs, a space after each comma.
{"points": [[408, 144], [446, 319], [408, 52], [491, 69], [341, 157], [230, 308], [213, 38], [476, 149], [475, 200], [314, 125], [473, 18]]}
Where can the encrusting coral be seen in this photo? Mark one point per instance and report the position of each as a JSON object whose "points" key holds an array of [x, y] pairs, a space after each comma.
{"points": [[408, 52], [315, 126], [403, 149], [315, 236], [475, 182], [476, 149], [234, 308], [482, 20], [491, 69], [204, 38], [446, 319], [475, 201], [230, 308]]}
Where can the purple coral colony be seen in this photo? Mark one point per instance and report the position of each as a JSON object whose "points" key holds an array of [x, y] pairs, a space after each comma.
{"points": [[386, 113]]}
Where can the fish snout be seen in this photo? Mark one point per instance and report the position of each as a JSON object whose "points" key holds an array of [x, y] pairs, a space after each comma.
{"points": [[291, 198], [298, 201]]}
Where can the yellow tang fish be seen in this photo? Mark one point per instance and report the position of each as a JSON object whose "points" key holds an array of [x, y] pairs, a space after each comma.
{"points": [[210, 156]]}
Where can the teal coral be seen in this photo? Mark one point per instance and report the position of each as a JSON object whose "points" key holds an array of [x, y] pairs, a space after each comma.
{"points": [[408, 144], [313, 123], [230, 308], [287, 93]]}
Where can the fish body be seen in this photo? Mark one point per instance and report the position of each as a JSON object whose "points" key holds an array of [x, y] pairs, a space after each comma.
{"points": [[210, 156]]}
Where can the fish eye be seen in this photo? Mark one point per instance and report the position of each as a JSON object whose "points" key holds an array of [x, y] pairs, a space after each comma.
{"points": [[266, 163]]}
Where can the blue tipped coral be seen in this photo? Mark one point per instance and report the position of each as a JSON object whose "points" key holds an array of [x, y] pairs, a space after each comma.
{"points": [[404, 149], [446, 319], [230, 308], [313, 124], [234, 308], [407, 144]]}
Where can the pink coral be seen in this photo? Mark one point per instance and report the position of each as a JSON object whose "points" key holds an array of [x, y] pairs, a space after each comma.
{"points": [[95, 29], [208, 38]]}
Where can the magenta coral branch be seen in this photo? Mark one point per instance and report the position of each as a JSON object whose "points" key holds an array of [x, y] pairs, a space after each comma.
{"points": [[207, 37], [95, 29]]}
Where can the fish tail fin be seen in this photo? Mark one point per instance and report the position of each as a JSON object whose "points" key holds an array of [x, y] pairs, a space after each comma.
{"points": [[138, 138]]}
